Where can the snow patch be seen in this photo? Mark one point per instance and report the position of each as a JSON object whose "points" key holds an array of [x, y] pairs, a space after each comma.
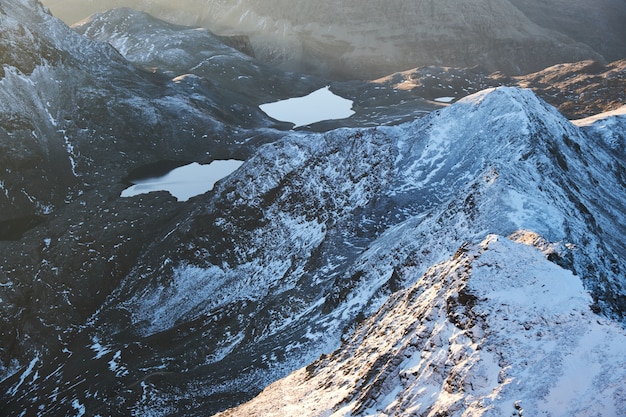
{"points": [[25, 374], [115, 365], [529, 213], [99, 349], [588, 121], [610, 126]]}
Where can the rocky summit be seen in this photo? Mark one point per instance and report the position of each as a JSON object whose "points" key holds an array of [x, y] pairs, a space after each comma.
{"points": [[453, 246]]}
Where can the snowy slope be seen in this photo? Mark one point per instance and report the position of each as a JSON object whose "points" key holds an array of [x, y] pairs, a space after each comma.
{"points": [[76, 119], [495, 330]]}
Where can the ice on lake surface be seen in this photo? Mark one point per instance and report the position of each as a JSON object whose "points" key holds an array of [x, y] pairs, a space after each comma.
{"points": [[318, 106], [187, 181]]}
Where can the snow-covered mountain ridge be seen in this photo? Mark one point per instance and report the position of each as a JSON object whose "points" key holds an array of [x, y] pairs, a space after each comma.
{"points": [[495, 330]]}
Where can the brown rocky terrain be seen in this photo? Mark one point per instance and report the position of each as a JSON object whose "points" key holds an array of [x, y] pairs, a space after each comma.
{"points": [[578, 90]]}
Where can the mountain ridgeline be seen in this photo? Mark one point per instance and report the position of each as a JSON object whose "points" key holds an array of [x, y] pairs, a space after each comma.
{"points": [[417, 258]]}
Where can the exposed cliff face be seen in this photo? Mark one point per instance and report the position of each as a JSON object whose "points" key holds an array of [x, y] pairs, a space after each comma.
{"points": [[369, 39]]}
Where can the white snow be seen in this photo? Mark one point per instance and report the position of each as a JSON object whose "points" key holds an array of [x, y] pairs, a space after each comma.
{"points": [[25, 374], [445, 99], [610, 126], [116, 366], [114, 362], [602, 116], [318, 106], [99, 349], [70, 151], [187, 181], [529, 212]]}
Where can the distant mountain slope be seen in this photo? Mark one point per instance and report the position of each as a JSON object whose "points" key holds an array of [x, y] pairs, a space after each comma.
{"points": [[359, 39], [237, 79], [599, 24]]}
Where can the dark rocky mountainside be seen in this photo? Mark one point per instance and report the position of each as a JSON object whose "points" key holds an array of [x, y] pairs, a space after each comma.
{"points": [[360, 39], [148, 306], [76, 118]]}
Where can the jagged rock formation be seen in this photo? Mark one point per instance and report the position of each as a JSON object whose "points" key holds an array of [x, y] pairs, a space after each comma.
{"points": [[368, 39]]}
